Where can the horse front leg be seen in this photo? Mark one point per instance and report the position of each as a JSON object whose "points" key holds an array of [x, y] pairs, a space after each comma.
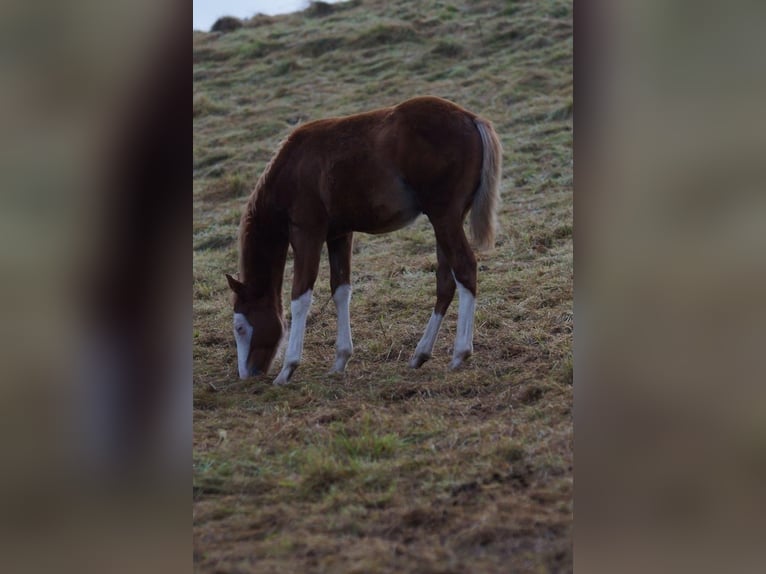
{"points": [[307, 250], [339, 252]]}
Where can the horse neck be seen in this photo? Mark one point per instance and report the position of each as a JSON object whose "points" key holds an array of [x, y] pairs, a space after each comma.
{"points": [[264, 254]]}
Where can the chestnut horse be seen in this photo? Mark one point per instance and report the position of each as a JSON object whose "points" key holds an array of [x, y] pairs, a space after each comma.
{"points": [[373, 172]]}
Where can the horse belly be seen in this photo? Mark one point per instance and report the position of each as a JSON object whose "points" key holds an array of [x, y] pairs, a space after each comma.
{"points": [[391, 221], [390, 208], [370, 203]]}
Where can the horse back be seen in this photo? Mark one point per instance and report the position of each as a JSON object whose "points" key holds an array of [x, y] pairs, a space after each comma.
{"points": [[376, 171]]}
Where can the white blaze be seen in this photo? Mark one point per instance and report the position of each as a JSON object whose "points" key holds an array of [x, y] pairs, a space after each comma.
{"points": [[243, 334]]}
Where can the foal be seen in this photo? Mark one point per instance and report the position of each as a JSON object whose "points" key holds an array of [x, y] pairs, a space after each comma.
{"points": [[373, 172]]}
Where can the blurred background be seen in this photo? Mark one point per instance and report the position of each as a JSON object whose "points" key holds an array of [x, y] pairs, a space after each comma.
{"points": [[670, 236], [95, 331]]}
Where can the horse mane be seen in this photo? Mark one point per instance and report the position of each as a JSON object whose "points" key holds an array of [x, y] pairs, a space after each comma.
{"points": [[249, 212]]}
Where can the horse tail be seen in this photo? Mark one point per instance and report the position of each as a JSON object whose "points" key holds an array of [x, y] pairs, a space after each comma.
{"points": [[485, 202]]}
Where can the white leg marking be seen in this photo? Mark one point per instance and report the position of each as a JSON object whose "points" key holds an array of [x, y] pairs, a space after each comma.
{"points": [[343, 345], [243, 334], [464, 338], [300, 311], [426, 345]]}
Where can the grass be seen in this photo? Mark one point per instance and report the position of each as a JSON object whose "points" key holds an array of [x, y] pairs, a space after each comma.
{"points": [[386, 469]]}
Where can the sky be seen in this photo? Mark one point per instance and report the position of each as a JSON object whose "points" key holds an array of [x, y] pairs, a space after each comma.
{"points": [[206, 12]]}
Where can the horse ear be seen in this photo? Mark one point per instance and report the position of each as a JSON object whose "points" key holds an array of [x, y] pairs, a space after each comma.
{"points": [[236, 286]]}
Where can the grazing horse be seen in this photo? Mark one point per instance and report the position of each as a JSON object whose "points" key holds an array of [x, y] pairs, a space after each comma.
{"points": [[373, 172]]}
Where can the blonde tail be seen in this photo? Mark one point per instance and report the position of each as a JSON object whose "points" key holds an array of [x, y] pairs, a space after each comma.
{"points": [[485, 203]]}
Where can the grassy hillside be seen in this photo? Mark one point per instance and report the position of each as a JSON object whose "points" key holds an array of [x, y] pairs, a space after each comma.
{"points": [[387, 469]]}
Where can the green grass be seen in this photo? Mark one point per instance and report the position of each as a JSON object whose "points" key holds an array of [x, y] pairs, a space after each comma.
{"points": [[386, 469]]}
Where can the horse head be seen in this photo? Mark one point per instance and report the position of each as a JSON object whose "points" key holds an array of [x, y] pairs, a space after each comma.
{"points": [[258, 329]]}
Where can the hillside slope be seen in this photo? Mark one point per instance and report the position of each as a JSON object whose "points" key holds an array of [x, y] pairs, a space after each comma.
{"points": [[388, 469]]}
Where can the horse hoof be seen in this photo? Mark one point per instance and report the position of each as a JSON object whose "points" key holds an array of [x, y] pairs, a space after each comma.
{"points": [[284, 376], [417, 361], [339, 366], [458, 361]]}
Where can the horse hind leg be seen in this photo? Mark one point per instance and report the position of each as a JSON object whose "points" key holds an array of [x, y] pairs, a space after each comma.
{"points": [[339, 252], [465, 319], [445, 292], [462, 262]]}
